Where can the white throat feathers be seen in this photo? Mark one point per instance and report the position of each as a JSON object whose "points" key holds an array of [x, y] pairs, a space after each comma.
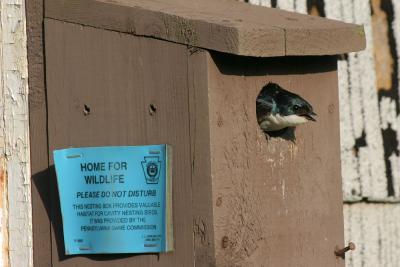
{"points": [[278, 122]]}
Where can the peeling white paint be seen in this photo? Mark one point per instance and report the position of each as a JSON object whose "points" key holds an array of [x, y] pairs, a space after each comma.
{"points": [[261, 2], [3, 214], [389, 118], [288, 5], [375, 230], [363, 174], [351, 185], [395, 160], [395, 164], [388, 113], [374, 161], [14, 130], [396, 31], [299, 6]]}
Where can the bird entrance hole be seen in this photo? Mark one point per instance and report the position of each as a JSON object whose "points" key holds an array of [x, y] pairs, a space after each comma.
{"points": [[279, 111]]}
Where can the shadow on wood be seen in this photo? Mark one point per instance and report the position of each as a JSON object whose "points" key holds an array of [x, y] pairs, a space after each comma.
{"points": [[285, 134], [42, 181]]}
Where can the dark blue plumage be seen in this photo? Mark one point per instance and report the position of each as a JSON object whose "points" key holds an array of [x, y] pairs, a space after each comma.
{"points": [[278, 108]]}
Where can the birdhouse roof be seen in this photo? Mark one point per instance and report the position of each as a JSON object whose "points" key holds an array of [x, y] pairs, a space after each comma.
{"points": [[226, 25]]}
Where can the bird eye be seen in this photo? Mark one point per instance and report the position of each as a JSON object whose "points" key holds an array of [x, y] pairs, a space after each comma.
{"points": [[295, 107]]}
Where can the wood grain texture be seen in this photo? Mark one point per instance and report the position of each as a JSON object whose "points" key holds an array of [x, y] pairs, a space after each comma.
{"points": [[382, 56], [118, 76], [374, 228], [365, 175], [280, 202], [226, 26], [38, 135], [370, 129], [16, 210], [203, 223]]}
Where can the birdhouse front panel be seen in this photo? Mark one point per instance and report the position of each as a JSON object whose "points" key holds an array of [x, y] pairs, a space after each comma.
{"points": [[276, 196], [107, 89]]}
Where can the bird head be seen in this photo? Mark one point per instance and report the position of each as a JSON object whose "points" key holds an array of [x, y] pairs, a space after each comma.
{"points": [[278, 108], [295, 105]]}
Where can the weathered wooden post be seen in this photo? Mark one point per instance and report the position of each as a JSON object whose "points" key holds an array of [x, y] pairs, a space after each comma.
{"points": [[188, 74]]}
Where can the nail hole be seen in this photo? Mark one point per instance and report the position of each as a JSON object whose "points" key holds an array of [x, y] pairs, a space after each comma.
{"points": [[225, 242], [86, 110], [219, 202], [152, 109], [331, 108]]}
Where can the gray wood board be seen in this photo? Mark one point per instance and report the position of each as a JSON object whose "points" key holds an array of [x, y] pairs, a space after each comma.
{"points": [[118, 76], [225, 25]]}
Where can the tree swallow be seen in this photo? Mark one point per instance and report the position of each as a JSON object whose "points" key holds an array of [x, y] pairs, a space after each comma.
{"points": [[278, 109]]}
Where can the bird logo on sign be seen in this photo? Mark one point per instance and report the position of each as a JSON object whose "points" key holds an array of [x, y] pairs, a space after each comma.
{"points": [[151, 169]]}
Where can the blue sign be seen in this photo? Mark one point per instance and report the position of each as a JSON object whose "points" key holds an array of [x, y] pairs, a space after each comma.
{"points": [[115, 199]]}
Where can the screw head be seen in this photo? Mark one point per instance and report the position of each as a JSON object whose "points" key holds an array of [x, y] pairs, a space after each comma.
{"points": [[351, 246]]}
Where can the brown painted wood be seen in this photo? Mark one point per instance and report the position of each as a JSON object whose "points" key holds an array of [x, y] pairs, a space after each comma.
{"points": [[118, 76], [276, 202], [203, 227], [38, 135], [226, 26], [239, 199]]}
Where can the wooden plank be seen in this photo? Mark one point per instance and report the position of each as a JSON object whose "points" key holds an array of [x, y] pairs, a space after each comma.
{"points": [[16, 208], [4, 248], [374, 228], [118, 76], [226, 26], [280, 201], [203, 227], [363, 150], [38, 135]]}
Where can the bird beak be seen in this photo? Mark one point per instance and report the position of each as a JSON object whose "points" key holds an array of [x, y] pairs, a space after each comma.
{"points": [[308, 116]]}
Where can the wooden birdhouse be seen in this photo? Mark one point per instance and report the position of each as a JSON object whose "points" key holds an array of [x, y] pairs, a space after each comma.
{"points": [[188, 73]]}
